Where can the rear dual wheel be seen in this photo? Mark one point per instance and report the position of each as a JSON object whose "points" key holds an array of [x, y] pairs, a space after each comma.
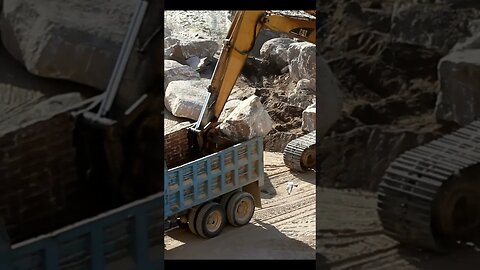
{"points": [[208, 220], [240, 208]]}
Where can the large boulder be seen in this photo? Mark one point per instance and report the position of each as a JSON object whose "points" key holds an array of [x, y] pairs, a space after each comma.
{"points": [[436, 27], [174, 71], [185, 98], [249, 119], [275, 51], [330, 97], [309, 118], [198, 47], [301, 57], [459, 97], [73, 40], [263, 36]]}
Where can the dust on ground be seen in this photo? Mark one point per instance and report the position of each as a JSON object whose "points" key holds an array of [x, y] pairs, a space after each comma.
{"points": [[284, 228]]}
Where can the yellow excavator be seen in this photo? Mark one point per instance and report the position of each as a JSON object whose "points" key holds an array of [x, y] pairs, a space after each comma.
{"points": [[299, 154]]}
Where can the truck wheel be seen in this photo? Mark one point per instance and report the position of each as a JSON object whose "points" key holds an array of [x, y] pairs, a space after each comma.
{"points": [[192, 216], [210, 220], [240, 208], [225, 199]]}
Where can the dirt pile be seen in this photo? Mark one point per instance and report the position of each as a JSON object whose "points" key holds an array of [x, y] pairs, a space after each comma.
{"points": [[387, 68]]}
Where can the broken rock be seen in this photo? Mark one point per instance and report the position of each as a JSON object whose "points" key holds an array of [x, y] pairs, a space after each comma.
{"points": [[301, 57], [309, 118], [185, 98], [459, 97], [66, 39], [303, 94], [248, 120], [229, 107], [199, 47], [197, 63], [174, 71], [275, 51]]}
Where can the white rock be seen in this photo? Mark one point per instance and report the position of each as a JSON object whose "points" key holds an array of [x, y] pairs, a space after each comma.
{"points": [[303, 94], [197, 63], [174, 71], [301, 57], [228, 108], [309, 118], [185, 98], [275, 51], [248, 120], [198, 47]]}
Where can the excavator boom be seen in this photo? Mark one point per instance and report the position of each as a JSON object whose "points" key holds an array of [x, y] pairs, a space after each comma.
{"points": [[240, 40]]}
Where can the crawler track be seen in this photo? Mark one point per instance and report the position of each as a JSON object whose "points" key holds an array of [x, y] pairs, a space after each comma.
{"points": [[409, 192], [299, 154]]}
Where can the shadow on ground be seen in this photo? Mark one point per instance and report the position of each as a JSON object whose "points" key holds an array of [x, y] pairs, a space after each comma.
{"points": [[253, 241]]}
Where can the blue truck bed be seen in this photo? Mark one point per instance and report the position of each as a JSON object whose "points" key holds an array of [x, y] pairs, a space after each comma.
{"points": [[129, 237], [212, 176]]}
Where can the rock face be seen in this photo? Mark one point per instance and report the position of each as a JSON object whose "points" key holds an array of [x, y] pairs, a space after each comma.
{"points": [[359, 158], [301, 56], [309, 118], [73, 40], [459, 97], [330, 97], [174, 71], [185, 98], [275, 51], [432, 26], [248, 120]]}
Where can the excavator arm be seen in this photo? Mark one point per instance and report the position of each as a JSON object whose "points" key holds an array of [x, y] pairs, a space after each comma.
{"points": [[239, 42]]}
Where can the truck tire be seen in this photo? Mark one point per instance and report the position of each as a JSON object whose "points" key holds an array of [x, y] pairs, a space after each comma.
{"points": [[192, 216], [210, 220], [225, 199], [240, 208]]}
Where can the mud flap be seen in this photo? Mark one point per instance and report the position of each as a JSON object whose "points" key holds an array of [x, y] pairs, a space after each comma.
{"points": [[254, 189]]}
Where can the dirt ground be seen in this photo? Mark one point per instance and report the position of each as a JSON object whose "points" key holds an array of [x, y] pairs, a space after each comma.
{"points": [[354, 238], [284, 228]]}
